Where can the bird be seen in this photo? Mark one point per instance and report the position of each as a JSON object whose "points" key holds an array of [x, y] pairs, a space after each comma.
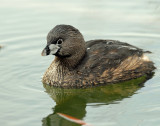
{"points": [[80, 64]]}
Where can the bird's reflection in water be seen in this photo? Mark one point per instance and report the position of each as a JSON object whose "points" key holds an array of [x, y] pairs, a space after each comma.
{"points": [[73, 102]]}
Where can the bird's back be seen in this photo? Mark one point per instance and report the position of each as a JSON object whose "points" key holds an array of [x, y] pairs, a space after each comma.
{"points": [[109, 61]]}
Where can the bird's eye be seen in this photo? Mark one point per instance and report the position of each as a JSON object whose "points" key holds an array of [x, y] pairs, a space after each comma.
{"points": [[59, 41]]}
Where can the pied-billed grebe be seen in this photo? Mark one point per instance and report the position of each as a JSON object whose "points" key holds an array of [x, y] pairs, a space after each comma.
{"points": [[96, 62]]}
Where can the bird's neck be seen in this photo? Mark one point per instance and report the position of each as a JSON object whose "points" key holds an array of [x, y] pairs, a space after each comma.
{"points": [[69, 62]]}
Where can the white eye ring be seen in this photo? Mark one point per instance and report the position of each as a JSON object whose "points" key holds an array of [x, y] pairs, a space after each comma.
{"points": [[59, 41]]}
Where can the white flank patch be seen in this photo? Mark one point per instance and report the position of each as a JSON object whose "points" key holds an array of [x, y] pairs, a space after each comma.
{"points": [[145, 58]]}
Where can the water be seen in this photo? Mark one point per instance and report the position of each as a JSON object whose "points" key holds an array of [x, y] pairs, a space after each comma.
{"points": [[24, 100]]}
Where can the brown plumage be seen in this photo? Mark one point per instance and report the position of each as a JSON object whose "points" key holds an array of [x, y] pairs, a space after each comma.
{"points": [[96, 62]]}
